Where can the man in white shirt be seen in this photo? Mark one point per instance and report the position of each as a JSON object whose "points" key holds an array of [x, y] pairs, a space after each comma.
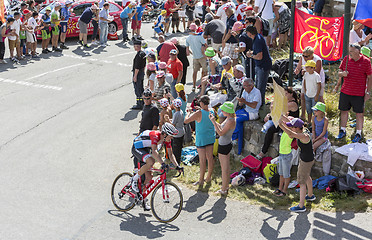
{"points": [[30, 32], [221, 14], [266, 7], [16, 26]]}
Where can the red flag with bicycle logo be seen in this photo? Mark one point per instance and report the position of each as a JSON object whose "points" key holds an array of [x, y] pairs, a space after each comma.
{"points": [[324, 34]]}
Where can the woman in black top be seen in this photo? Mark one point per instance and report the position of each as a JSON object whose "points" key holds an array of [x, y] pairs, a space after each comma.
{"points": [[293, 111], [295, 129]]}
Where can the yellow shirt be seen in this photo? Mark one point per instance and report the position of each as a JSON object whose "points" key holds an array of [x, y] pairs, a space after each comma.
{"points": [[230, 71]]}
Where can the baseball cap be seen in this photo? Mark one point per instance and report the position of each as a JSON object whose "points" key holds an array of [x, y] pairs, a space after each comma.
{"points": [[163, 11], [57, 4], [68, 2], [26, 11], [228, 107], [162, 65], [94, 7], [319, 106], [160, 74], [238, 26], [295, 122], [208, 17], [173, 51], [193, 27], [179, 87], [225, 60], [310, 63], [151, 66], [240, 68], [209, 52]]}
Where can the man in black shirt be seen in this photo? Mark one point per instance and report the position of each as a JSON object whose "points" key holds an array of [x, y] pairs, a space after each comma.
{"points": [[139, 63], [150, 113]]}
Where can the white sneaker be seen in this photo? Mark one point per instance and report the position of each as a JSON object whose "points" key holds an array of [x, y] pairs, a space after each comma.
{"points": [[146, 206], [134, 185], [3, 61], [94, 43], [167, 34]]}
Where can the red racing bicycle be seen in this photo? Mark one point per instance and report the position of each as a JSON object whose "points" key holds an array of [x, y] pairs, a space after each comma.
{"points": [[166, 200]]}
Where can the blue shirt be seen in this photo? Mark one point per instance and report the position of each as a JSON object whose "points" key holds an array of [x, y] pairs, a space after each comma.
{"points": [[125, 12], [259, 45], [65, 13], [140, 11], [46, 18], [195, 42], [229, 24], [86, 16]]}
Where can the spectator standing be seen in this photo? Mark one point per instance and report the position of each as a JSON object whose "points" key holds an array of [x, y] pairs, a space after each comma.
{"points": [[55, 20], [229, 42], [205, 136], [175, 67], [240, 10], [190, 11], [182, 13], [171, 7], [65, 16], [261, 56], [312, 85], [221, 13], [206, 4], [16, 28], [95, 21], [5, 32], [295, 129], [139, 63], [45, 31], [83, 22], [150, 113], [266, 8], [225, 131], [177, 121], [283, 18], [161, 88], [164, 49], [31, 27], [318, 7], [125, 16], [251, 102], [355, 90], [215, 29], [151, 75], [197, 44], [182, 56], [176, 18], [104, 19]]}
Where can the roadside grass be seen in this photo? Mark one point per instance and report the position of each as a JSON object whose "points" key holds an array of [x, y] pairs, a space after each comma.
{"points": [[262, 195]]}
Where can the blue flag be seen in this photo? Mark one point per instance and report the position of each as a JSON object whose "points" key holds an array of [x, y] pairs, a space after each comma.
{"points": [[363, 12]]}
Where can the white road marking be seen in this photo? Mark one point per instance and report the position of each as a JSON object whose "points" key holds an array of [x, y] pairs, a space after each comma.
{"points": [[56, 70], [98, 60], [121, 54], [30, 84]]}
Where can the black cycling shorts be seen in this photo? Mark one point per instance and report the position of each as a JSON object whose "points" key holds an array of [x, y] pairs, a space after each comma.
{"points": [[224, 149], [140, 155]]}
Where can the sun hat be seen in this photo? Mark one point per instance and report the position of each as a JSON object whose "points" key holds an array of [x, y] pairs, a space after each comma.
{"points": [[240, 68], [173, 52], [319, 106], [228, 107], [295, 122], [209, 52], [366, 51], [177, 102], [162, 65], [164, 102], [238, 26], [310, 63], [160, 74], [225, 60], [193, 27], [179, 87], [151, 66]]}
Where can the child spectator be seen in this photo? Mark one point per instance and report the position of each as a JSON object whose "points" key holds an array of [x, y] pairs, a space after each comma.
{"points": [[284, 164], [312, 86], [295, 129], [4, 33], [177, 121], [165, 113], [151, 75], [159, 23], [319, 125]]}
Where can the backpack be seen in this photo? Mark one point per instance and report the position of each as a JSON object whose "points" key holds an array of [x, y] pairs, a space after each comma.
{"points": [[269, 171], [265, 23]]}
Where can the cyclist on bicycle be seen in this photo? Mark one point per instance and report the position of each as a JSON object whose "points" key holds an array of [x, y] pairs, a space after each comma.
{"points": [[145, 149]]}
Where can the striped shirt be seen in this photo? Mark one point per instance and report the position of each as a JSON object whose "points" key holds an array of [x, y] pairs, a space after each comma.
{"points": [[355, 82]]}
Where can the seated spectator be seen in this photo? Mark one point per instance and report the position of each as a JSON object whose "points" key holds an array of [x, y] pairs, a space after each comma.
{"points": [[233, 85], [226, 74], [214, 70], [293, 111], [251, 103], [319, 125], [358, 36], [150, 113]]}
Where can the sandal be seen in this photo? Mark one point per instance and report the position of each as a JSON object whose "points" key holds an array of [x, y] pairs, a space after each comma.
{"points": [[281, 194], [277, 191], [222, 192]]}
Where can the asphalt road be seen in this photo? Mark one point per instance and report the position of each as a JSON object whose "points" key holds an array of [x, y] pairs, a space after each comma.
{"points": [[66, 132]]}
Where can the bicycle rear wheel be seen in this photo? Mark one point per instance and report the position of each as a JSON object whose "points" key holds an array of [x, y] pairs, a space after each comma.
{"points": [[166, 207], [119, 196]]}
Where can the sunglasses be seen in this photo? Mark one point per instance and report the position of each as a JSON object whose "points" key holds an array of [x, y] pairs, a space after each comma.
{"points": [[306, 56], [147, 98]]}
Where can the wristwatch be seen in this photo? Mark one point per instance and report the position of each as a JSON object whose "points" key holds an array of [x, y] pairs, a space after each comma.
{"points": [[368, 93]]}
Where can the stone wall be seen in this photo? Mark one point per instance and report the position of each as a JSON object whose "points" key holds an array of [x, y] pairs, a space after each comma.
{"points": [[253, 142]]}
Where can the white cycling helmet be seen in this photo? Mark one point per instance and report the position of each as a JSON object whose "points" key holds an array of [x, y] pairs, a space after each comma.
{"points": [[169, 129]]}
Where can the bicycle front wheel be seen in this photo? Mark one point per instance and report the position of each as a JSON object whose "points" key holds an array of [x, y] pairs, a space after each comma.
{"points": [[119, 192], [166, 205]]}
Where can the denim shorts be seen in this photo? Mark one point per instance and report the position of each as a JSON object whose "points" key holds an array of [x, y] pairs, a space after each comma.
{"points": [[284, 165], [310, 102]]}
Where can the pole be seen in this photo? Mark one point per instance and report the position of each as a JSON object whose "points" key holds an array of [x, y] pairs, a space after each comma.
{"points": [[291, 43], [347, 18]]}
